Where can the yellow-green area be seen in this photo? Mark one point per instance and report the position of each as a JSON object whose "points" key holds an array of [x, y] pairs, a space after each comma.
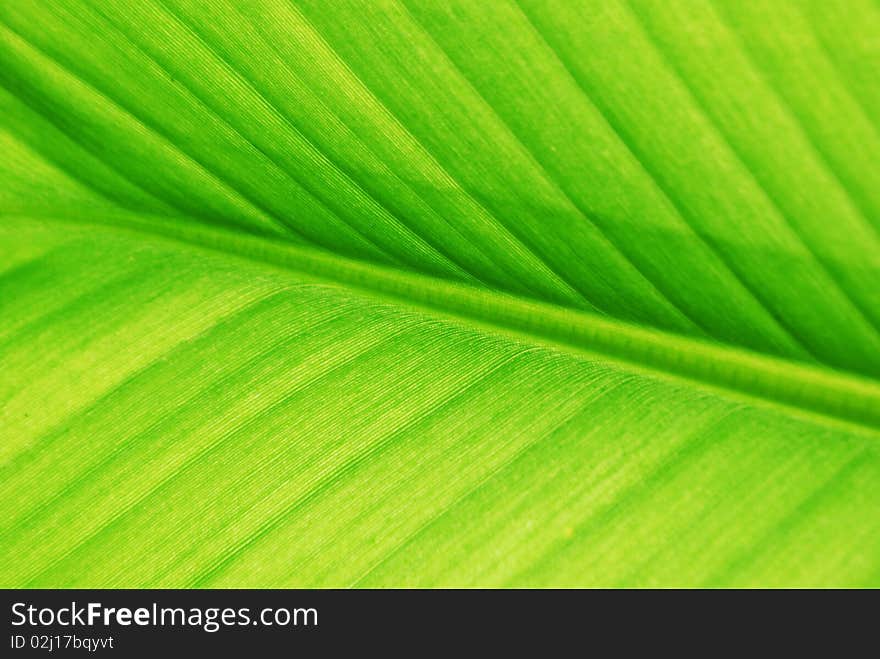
{"points": [[458, 293]]}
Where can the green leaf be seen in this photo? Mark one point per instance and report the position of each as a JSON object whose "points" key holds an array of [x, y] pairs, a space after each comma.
{"points": [[536, 293]]}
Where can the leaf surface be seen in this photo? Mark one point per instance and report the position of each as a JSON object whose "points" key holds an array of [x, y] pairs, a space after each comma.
{"points": [[417, 293]]}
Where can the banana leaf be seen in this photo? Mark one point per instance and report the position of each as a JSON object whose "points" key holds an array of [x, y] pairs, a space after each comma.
{"points": [[462, 293]]}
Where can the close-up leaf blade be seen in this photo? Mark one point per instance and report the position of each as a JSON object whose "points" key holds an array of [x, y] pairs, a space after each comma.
{"points": [[538, 293]]}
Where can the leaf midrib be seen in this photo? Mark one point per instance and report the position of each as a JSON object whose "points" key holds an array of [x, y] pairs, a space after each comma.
{"points": [[830, 396]]}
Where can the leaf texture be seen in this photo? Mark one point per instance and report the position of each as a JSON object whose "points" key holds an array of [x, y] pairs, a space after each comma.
{"points": [[536, 293]]}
